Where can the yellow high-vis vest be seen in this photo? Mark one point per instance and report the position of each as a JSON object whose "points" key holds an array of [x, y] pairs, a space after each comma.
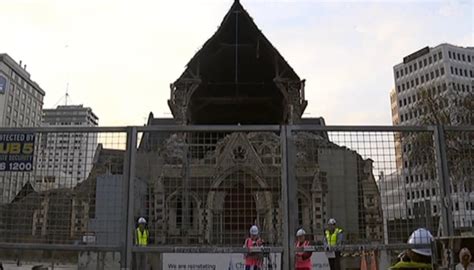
{"points": [[142, 237], [331, 238]]}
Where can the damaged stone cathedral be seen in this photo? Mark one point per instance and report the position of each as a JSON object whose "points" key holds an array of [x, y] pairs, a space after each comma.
{"points": [[208, 187]]}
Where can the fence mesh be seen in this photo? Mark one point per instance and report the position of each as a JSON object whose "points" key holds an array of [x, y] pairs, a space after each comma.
{"points": [[460, 159], [72, 195], [209, 188], [205, 188]]}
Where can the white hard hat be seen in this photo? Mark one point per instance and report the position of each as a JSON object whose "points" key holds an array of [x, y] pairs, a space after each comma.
{"points": [[300, 232], [254, 230], [142, 220], [332, 221], [421, 236]]}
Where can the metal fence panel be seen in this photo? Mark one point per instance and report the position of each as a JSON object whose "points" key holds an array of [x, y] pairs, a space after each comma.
{"points": [[72, 197], [201, 188]]}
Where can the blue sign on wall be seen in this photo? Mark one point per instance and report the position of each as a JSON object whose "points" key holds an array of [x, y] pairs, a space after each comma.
{"points": [[3, 84], [16, 151]]}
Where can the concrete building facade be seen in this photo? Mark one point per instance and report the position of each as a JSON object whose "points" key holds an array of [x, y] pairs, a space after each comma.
{"points": [[64, 159], [21, 103], [444, 76]]}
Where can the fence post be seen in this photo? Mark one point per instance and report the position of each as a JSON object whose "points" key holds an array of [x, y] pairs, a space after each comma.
{"points": [[444, 182], [128, 181], [288, 192]]}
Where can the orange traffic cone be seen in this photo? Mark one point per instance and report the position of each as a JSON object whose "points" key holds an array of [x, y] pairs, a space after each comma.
{"points": [[373, 261], [363, 262]]}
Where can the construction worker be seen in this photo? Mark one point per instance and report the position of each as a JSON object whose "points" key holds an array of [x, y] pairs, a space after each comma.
{"points": [[334, 237], [303, 259], [416, 258], [141, 239], [253, 261]]}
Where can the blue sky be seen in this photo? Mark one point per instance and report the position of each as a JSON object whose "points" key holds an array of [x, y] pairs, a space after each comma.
{"points": [[120, 56]]}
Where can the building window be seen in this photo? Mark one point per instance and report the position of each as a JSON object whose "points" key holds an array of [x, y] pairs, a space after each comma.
{"points": [[412, 83], [469, 58], [398, 88], [401, 72], [425, 63], [459, 56], [440, 55], [397, 74], [432, 75], [406, 70], [442, 71], [465, 72], [410, 68], [435, 209], [471, 73], [417, 81], [463, 57], [449, 54], [430, 60], [437, 73], [456, 71], [435, 57], [420, 64], [427, 77], [433, 191], [414, 66], [408, 195], [427, 193]]}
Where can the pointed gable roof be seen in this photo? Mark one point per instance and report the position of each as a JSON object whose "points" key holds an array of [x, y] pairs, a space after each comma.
{"points": [[237, 76], [227, 23]]}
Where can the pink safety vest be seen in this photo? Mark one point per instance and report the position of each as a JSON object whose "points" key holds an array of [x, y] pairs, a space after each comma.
{"points": [[255, 258], [300, 263]]}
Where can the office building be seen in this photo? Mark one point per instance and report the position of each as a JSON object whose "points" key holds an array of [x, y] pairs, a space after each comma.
{"points": [[442, 76], [65, 159], [21, 102], [21, 99]]}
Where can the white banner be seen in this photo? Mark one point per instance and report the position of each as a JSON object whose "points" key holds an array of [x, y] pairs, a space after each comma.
{"points": [[234, 261], [320, 261], [213, 261]]}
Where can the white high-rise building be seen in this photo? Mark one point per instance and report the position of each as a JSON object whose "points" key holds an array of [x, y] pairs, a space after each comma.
{"points": [[21, 103], [65, 159], [446, 74], [21, 99]]}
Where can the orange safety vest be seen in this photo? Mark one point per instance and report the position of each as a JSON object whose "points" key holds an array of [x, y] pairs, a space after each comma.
{"points": [[300, 262], [256, 258]]}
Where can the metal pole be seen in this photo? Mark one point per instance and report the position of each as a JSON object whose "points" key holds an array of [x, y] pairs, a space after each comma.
{"points": [[444, 182], [185, 194], [288, 198], [292, 195], [128, 179], [285, 258]]}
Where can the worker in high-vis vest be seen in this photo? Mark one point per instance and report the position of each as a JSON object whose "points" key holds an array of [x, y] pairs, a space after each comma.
{"points": [[142, 237], [334, 236], [253, 261], [303, 258]]}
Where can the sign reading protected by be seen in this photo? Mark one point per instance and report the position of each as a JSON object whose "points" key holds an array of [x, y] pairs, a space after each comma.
{"points": [[16, 152]]}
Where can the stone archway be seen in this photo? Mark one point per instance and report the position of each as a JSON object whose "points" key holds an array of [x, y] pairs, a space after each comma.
{"points": [[236, 201]]}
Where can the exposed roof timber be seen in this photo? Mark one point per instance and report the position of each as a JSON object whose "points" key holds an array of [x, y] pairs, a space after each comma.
{"points": [[238, 8]]}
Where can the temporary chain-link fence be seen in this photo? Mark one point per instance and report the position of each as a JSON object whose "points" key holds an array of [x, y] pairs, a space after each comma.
{"points": [[201, 188]]}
